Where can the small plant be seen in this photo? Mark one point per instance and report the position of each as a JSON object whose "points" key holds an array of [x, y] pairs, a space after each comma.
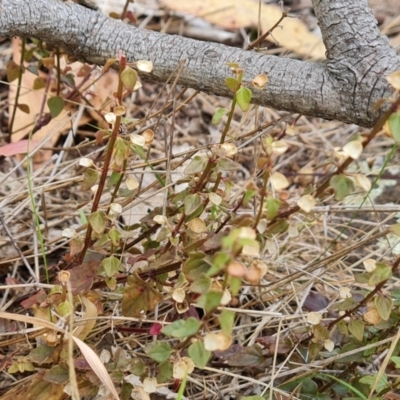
{"points": [[216, 277]]}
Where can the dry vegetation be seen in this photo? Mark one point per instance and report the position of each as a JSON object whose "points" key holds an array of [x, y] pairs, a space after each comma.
{"points": [[227, 251]]}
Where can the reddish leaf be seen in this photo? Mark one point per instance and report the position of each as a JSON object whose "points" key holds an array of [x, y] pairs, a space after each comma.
{"points": [[20, 147], [82, 276], [37, 298]]}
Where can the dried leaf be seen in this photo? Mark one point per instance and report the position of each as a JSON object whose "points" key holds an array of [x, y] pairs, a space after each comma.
{"points": [[139, 297]]}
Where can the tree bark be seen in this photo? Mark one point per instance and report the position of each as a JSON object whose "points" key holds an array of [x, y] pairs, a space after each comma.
{"points": [[345, 87]]}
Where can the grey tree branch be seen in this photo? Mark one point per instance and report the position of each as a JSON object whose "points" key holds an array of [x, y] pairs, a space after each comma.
{"points": [[345, 87]]}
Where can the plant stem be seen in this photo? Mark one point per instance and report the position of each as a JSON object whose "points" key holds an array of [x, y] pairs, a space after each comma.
{"points": [[107, 161]]}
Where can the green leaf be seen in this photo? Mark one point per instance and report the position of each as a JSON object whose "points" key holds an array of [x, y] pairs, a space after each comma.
{"points": [[41, 353], [56, 374], [201, 284], [89, 179], [219, 261], [309, 388], [64, 308], [126, 391], [114, 178], [97, 221], [182, 328], [395, 229], [383, 305], [121, 151], [111, 283], [342, 327], [195, 266], [226, 321], [225, 164], [191, 203], [111, 265], [199, 355], [232, 83], [321, 332], [281, 225], [356, 328], [139, 297], [394, 126], [129, 78], [235, 285], [250, 356], [252, 398], [370, 381], [218, 115], [210, 300], [381, 273], [115, 236], [243, 98], [396, 360], [342, 185], [273, 206], [197, 165], [347, 304], [158, 351], [248, 195], [56, 105], [164, 372]]}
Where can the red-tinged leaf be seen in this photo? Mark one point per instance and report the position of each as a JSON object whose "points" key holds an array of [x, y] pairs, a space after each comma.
{"points": [[131, 17], [24, 108], [139, 297], [76, 245], [36, 299], [20, 147], [82, 276]]}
